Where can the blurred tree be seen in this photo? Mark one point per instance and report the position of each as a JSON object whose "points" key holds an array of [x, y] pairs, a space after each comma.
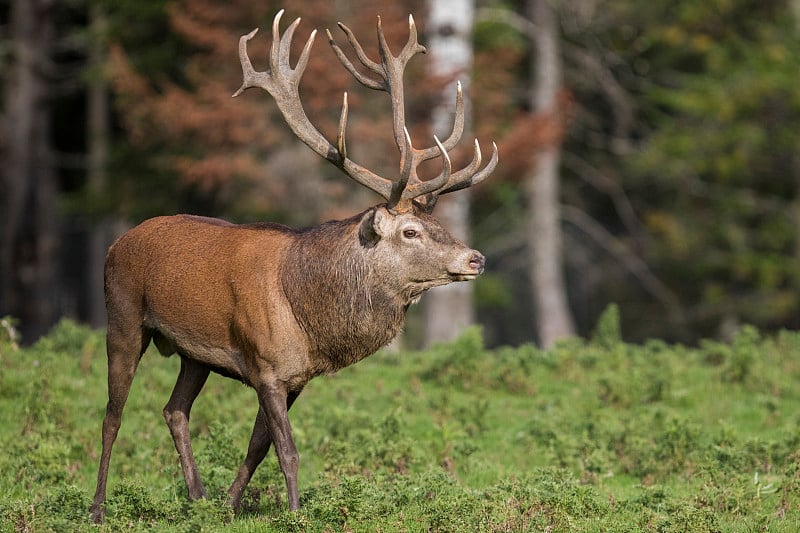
{"points": [[607, 242], [553, 315], [678, 165], [236, 158], [718, 173], [178, 110], [28, 221], [531, 143], [102, 230], [450, 309]]}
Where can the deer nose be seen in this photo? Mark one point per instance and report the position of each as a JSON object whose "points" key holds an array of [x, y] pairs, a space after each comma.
{"points": [[477, 261]]}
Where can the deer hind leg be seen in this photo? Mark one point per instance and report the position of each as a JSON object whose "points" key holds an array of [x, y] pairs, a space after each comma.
{"points": [[125, 346], [190, 382], [260, 442]]}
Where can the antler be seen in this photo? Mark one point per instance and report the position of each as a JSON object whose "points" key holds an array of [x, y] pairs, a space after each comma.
{"points": [[282, 82], [390, 74]]}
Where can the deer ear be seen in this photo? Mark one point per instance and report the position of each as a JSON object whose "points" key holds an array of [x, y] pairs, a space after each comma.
{"points": [[367, 231], [375, 225]]}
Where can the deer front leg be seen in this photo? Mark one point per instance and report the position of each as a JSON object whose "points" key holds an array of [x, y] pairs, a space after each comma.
{"points": [[272, 397], [260, 442]]}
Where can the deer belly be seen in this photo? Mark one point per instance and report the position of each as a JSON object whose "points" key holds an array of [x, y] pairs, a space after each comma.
{"points": [[195, 341]]}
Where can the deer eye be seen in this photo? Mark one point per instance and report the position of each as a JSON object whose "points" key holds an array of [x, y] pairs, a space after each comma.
{"points": [[410, 233]]}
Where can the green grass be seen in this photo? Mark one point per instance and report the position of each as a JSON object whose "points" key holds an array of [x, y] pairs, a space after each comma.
{"points": [[589, 436]]}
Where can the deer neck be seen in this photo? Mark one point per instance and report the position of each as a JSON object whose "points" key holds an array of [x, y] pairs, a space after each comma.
{"points": [[346, 309]]}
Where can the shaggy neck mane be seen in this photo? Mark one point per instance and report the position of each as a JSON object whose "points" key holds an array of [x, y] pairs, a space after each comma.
{"points": [[345, 307]]}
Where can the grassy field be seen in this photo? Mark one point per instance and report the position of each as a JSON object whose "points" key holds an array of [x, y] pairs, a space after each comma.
{"points": [[592, 435]]}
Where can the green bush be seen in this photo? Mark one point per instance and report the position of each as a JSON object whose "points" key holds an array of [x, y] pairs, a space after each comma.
{"points": [[130, 502], [608, 332]]}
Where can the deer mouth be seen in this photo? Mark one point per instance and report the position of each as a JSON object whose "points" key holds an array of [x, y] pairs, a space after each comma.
{"points": [[463, 276]]}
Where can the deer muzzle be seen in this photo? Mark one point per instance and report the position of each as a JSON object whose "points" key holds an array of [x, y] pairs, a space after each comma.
{"points": [[468, 267]]}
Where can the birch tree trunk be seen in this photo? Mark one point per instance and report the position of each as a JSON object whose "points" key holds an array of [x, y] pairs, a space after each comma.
{"points": [[28, 224], [450, 309], [553, 317]]}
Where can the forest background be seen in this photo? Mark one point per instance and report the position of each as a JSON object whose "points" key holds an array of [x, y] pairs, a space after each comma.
{"points": [[649, 151]]}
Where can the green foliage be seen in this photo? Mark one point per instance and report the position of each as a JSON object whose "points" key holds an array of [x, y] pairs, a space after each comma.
{"points": [[130, 502], [588, 436], [218, 459], [744, 352], [712, 173], [9, 336], [205, 515], [608, 332], [456, 363], [492, 292], [69, 337], [494, 33]]}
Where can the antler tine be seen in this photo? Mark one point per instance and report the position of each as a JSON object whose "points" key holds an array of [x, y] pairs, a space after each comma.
{"points": [[340, 141], [412, 46], [421, 188], [362, 56], [274, 50], [383, 46], [407, 165], [285, 45], [251, 78], [469, 179], [455, 134], [377, 85], [470, 169]]}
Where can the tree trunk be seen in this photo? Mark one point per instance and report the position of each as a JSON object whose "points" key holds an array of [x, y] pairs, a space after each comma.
{"points": [[795, 5], [450, 309], [28, 241], [97, 118], [553, 318]]}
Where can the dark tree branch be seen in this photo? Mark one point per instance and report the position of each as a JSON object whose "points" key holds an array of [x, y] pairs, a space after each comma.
{"points": [[630, 261]]}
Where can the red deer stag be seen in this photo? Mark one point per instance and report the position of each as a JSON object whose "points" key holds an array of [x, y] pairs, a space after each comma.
{"points": [[273, 306]]}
